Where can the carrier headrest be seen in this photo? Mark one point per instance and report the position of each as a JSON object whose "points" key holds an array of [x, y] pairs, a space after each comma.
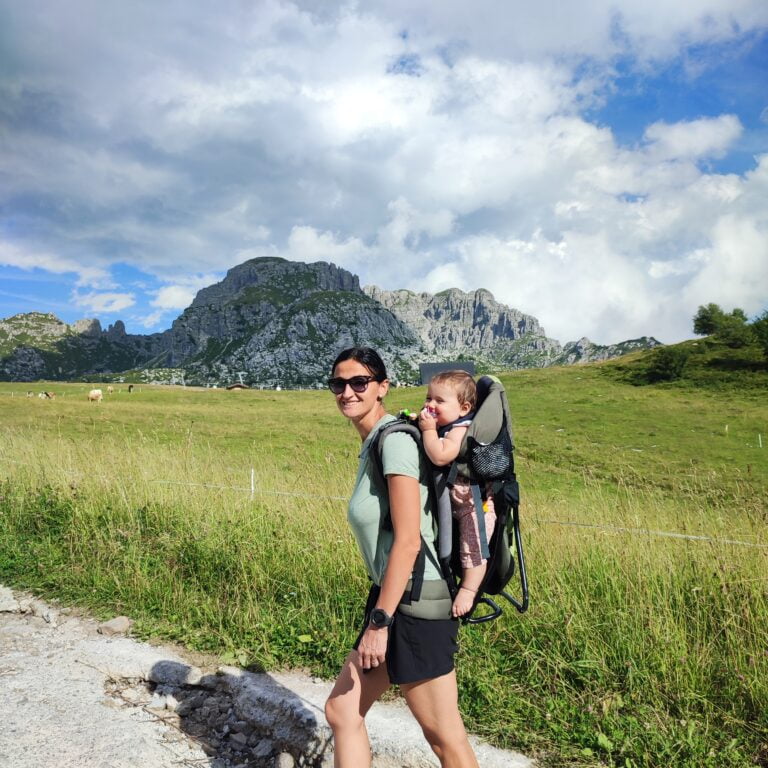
{"points": [[483, 386]]}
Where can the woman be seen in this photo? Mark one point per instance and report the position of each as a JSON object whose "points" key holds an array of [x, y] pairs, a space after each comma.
{"points": [[416, 654]]}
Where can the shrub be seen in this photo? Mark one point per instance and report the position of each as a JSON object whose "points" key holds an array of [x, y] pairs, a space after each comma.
{"points": [[666, 364], [733, 330], [760, 331]]}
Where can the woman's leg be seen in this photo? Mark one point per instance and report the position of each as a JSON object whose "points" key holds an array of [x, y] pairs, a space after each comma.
{"points": [[352, 696], [435, 704]]}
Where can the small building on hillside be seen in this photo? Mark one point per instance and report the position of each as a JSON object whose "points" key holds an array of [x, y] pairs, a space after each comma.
{"points": [[428, 370]]}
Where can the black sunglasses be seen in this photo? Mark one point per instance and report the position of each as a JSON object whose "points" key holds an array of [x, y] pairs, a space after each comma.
{"points": [[357, 383]]}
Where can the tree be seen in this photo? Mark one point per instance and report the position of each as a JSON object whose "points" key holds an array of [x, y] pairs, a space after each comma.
{"points": [[733, 331], [760, 329], [707, 319]]}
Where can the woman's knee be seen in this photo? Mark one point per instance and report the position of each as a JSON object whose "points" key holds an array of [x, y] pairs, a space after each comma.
{"points": [[339, 714], [445, 741]]}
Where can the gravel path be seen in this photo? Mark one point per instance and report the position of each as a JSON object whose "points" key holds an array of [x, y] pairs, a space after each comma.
{"points": [[75, 698]]}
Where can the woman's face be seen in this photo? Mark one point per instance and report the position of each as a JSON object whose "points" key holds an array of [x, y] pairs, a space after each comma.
{"points": [[357, 405]]}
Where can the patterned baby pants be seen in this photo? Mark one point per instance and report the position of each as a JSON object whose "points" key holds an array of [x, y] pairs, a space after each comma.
{"points": [[463, 509]]}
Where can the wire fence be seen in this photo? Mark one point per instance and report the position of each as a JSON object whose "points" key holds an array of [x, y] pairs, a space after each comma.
{"points": [[253, 489]]}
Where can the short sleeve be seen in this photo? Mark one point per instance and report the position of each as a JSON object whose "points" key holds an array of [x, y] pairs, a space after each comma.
{"points": [[400, 455]]}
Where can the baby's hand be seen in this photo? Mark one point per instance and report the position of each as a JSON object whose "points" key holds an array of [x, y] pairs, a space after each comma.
{"points": [[427, 419]]}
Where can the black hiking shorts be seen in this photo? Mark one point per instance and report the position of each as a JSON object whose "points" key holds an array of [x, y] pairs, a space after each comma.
{"points": [[417, 649]]}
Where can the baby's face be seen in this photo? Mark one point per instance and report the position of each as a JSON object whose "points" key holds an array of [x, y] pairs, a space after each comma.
{"points": [[442, 401]]}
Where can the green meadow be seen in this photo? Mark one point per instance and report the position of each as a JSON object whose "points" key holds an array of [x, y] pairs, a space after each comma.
{"points": [[217, 519]]}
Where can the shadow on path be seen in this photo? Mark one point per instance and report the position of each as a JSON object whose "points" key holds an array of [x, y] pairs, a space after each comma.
{"points": [[238, 718]]}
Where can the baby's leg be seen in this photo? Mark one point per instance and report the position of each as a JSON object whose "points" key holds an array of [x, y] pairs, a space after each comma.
{"points": [[472, 563], [471, 579]]}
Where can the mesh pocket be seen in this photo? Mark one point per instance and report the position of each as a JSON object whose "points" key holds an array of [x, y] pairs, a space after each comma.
{"points": [[491, 461]]}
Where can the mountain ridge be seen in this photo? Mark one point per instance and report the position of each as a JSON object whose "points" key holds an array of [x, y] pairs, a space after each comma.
{"points": [[273, 321]]}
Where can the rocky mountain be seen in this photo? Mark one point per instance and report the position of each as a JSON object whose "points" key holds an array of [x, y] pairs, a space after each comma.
{"points": [[38, 345], [279, 321], [272, 321], [584, 351], [456, 324]]}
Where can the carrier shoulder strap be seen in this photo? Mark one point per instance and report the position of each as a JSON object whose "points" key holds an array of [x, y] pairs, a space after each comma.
{"points": [[375, 452]]}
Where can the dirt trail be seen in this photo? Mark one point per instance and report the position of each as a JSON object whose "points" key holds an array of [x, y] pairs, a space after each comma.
{"points": [[74, 698]]}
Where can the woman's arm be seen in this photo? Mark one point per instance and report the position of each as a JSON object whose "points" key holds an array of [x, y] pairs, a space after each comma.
{"points": [[405, 511]]}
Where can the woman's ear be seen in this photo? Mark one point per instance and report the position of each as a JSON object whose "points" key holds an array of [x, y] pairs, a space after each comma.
{"points": [[383, 389]]}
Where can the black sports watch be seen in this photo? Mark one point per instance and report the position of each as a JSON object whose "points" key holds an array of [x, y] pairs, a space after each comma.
{"points": [[380, 618]]}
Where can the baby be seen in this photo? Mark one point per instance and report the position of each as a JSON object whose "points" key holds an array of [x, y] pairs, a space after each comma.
{"points": [[448, 411]]}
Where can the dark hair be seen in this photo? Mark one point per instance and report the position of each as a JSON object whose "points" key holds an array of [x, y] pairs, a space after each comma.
{"points": [[365, 356]]}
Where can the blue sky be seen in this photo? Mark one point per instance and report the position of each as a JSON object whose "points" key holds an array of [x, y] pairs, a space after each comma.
{"points": [[607, 174]]}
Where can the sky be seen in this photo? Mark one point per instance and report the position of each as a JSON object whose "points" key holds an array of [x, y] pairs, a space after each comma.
{"points": [[600, 165]]}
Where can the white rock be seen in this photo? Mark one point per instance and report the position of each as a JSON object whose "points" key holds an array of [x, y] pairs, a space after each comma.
{"points": [[8, 603], [117, 626], [158, 701], [45, 612], [285, 760]]}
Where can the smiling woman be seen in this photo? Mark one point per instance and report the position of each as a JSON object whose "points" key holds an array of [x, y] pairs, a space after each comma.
{"points": [[392, 648]]}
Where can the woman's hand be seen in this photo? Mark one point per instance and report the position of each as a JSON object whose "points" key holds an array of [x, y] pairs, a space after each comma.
{"points": [[373, 647]]}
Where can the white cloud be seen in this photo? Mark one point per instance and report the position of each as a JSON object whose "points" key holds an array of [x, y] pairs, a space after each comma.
{"points": [[21, 257], [174, 297], [179, 295], [308, 245], [103, 303], [694, 139], [735, 266], [152, 320], [415, 145]]}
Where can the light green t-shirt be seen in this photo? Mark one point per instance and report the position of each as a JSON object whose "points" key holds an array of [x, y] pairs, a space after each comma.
{"points": [[367, 507]]}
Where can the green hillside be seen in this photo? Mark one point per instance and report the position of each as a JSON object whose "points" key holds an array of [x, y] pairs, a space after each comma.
{"points": [[705, 363]]}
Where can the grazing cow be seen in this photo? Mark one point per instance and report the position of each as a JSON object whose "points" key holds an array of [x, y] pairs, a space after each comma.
{"points": [[47, 395], [110, 390], [94, 396], [130, 388], [30, 393]]}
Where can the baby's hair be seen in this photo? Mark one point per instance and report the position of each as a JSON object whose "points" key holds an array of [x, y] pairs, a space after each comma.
{"points": [[461, 383]]}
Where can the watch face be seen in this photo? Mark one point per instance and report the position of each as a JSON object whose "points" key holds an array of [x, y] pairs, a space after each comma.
{"points": [[380, 618]]}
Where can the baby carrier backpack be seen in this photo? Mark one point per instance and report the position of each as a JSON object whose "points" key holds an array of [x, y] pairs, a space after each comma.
{"points": [[486, 458]]}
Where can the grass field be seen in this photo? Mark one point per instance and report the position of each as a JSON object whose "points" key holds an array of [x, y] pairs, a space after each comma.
{"points": [[644, 518]]}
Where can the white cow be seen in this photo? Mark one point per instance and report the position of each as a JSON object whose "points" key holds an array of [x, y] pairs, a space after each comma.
{"points": [[110, 390], [94, 396]]}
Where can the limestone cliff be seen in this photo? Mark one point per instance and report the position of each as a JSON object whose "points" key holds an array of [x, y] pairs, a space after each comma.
{"points": [[272, 321]]}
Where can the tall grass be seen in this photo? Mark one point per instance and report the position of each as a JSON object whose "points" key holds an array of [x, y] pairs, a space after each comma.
{"points": [[639, 649]]}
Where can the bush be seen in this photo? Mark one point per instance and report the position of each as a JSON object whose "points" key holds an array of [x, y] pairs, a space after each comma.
{"points": [[733, 330], [760, 331], [666, 364]]}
